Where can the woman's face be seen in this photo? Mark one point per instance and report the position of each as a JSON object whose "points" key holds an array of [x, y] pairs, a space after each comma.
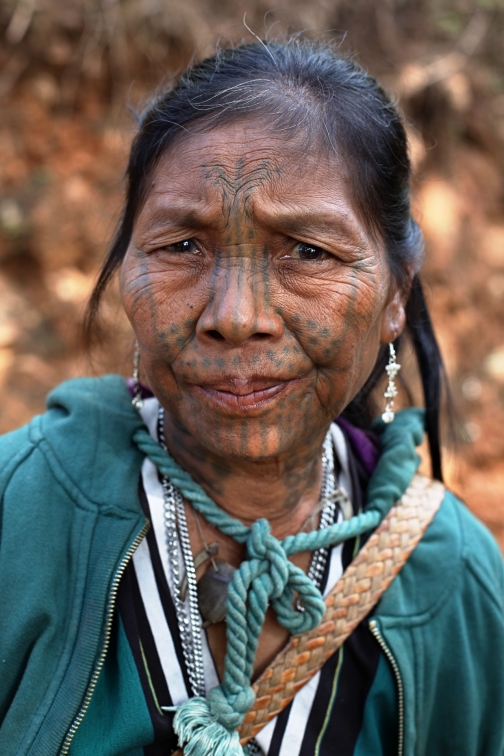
{"points": [[257, 296]]}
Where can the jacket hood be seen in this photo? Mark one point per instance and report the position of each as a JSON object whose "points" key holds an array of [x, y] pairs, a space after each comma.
{"points": [[89, 427]]}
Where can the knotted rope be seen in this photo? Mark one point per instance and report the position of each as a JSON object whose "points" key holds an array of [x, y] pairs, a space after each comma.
{"points": [[207, 727]]}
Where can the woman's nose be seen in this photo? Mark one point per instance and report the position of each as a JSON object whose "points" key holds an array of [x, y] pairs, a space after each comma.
{"points": [[239, 307]]}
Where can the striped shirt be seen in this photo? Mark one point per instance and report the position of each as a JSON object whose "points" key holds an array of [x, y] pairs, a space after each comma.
{"points": [[325, 716]]}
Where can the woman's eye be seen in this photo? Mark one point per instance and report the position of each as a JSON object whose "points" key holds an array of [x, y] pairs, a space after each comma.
{"points": [[187, 246], [308, 252]]}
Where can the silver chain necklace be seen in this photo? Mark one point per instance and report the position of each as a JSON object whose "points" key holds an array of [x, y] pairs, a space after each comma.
{"points": [[177, 540], [187, 612], [319, 558]]}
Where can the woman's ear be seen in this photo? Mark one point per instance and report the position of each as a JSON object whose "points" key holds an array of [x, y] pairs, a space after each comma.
{"points": [[393, 318]]}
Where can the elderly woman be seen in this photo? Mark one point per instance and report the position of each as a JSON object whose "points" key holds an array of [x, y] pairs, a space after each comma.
{"points": [[166, 551]]}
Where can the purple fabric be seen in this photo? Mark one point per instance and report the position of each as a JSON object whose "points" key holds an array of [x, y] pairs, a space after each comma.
{"points": [[364, 443], [145, 390]]}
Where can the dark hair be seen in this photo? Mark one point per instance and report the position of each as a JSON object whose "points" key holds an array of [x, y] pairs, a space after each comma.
{"points": [[305, 87]]}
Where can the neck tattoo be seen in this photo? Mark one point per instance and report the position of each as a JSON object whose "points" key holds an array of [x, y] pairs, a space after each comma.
{"points": [[199, 603]]}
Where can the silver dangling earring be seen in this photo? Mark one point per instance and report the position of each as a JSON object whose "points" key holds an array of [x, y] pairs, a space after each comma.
{"points": [[137, 400], [392, 369]]}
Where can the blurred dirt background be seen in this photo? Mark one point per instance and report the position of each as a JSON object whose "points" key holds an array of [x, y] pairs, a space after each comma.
{"points": [[72, 74]]}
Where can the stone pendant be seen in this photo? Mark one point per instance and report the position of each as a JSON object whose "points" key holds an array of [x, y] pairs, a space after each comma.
{"points": [[213, 590]]}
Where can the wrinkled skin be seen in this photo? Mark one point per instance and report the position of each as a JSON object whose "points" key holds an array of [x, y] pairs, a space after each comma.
{"points": [[259, 301]]}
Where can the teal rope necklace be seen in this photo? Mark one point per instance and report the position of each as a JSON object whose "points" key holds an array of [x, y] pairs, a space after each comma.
{"points": [[207, 726]]}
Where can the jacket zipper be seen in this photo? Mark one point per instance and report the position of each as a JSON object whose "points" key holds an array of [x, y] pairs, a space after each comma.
{"points": [[109, 615], [373, 626]]}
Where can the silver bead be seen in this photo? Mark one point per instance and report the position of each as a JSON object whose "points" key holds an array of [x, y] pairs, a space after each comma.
{"points": [[137, 400], [391, 369]]}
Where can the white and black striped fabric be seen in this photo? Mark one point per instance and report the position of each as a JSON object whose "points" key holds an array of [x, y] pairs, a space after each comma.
{"points": [[326, 715]]}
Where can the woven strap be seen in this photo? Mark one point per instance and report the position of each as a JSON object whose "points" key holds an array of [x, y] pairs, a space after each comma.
{"points": [[349, 602], [351, 599]]}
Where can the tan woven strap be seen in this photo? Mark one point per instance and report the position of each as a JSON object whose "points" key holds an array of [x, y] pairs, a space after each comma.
{"points": [[351, 599], [349, 602]]}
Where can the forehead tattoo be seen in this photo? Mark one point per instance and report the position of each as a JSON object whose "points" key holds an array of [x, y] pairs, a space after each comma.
{"points": [[238, 186]]}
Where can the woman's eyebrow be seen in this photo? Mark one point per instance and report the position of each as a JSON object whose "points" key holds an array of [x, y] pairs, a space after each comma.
{"points": [[299, 224], [181, 217]]}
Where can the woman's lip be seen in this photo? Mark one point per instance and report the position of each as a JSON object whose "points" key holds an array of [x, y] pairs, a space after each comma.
{"points": [[243, 401], [242, 386]]}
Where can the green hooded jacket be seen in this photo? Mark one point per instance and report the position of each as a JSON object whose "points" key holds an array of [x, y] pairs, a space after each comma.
{"points": [[71, 519]]}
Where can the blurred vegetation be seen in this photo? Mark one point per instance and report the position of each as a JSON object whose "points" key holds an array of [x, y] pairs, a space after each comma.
{"points": [[72, 74]]}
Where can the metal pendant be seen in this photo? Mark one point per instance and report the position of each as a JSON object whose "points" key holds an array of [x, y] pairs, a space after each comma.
{"points": [[213, 590]]}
